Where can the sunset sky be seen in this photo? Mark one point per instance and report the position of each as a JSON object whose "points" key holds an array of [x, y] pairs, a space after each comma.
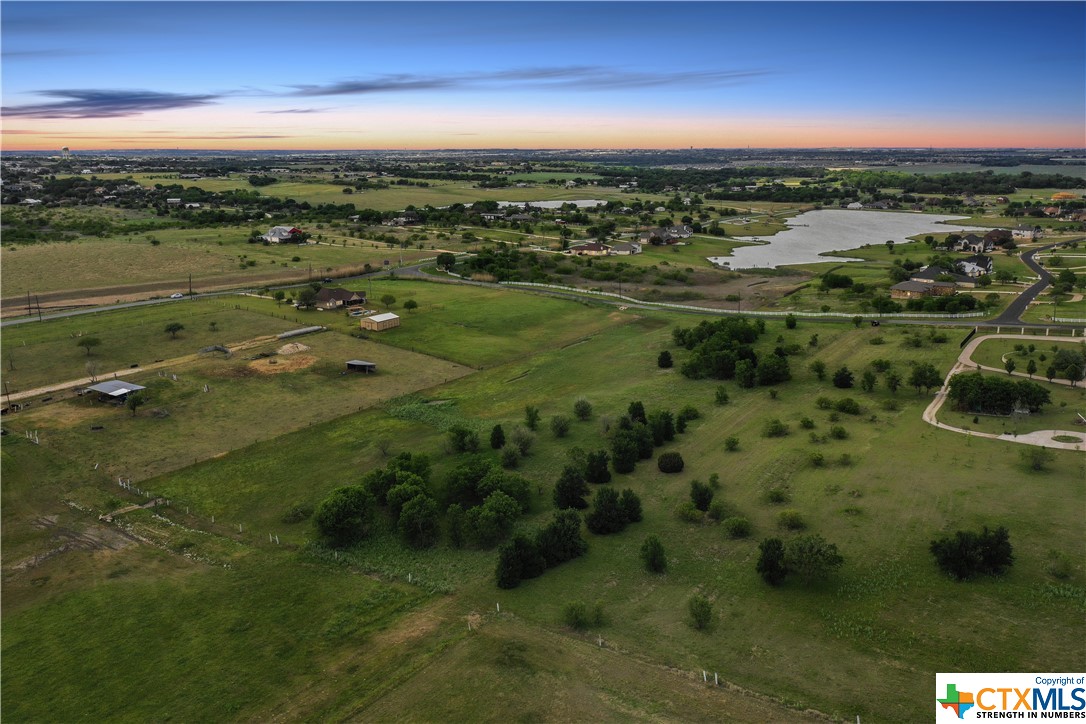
{"points": [[347, 75]]}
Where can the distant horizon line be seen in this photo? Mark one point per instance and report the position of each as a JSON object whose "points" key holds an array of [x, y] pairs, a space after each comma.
{"points": [[571, 148]]}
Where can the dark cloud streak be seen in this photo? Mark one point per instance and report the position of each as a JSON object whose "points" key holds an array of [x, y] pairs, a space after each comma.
{"points": [[106, 103]]}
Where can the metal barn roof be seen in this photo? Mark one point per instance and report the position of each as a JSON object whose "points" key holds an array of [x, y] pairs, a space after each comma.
{"points": [[115, 388]]}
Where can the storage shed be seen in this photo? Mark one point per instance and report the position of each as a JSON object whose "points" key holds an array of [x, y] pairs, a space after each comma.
{"points": [[357, 365], [378, 322], [115, 389]]}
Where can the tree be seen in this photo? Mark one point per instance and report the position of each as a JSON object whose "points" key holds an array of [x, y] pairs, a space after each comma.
{"points": [[701, 612], [462, 439], [419, 524], [88, 343], [596, 470], [700, 494], [388, 300], [721, 395], [1037, 458], [624, 451], [893, 381], [497, 437], [636, 412], [279, 295], [811, 557], [570, 490], [630, 505], [868, 381], [582, 408], [560, 540], [173, 328], [522, 440], [307, 297], [607, 515], [842, 378], [1031, 368], [926, 376], [818, 367], [531, 417], [1009, 365], [343, 518], [134, 401], [446, 260], [967, 554], [410, 305], [771, 561], [857, 321], [653, 556], [517, 560], [664, 360], [494, 519], [790, 321], [670, 462], [560, 425]]}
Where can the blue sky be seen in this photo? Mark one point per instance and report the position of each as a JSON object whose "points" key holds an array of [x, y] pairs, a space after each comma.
{"points": [[429, 75]]}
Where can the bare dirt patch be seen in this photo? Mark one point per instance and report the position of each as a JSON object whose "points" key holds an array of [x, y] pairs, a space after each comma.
{"points": [[292, 348], [92, 538], [274, 366]]}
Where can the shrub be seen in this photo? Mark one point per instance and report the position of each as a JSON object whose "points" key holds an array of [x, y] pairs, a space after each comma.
{"points": [[607, 515], [701, 612], [838, 433], [560, 540], [517, 560], [737, 527], [670, 462], [845, 460], [297, 514], [560, 425], [790, 321], [596, 467], [847, 405], [721, 395], [842, 378], [967, 554], [630, 505], [817, 459], [777, 495], [664, 361], [497, 437], [687, 513], [731, 443], [531, 417], [343, 518], [824, 403], [807, 423], [811, 557], [462, 439], [522, 440], [575, 614], [582, 409], [791, 520], [510, 458], [701, 495], [775, 428], [653, 556], [570, 490], [770, 564]]}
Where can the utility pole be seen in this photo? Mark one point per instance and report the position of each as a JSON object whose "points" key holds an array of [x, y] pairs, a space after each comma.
{"points": [[190, 284], [38, 302], [29, 311]]}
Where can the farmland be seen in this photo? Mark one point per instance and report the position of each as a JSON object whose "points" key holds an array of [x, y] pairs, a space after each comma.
{"points": [[226, 577]]}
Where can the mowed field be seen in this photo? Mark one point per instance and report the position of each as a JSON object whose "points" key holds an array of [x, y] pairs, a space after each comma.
{"points": [[287, 630]]}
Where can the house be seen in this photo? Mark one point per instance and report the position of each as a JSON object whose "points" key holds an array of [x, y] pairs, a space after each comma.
{"points": [[192, 205], [938, 273], [916, 290], [407, 218], [31, 202], [173, 202], [626, 248], [855, 205], [379, 322], [589, 248], [329, 298], [976, 265], [666, 234], [357, 365], [974, 244], [118, 390], [1002, 200], [1052, 211], [282, 235], [491, 216], [1027, 232], [998, 237]]}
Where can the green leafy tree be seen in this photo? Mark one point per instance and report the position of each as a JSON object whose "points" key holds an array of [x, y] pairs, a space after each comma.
{"points": [[88, 343], [818, 367], [497, 437], [790, 321], [582, 409], [522, 440], [531, 417], [560, 425], [307, 297], [596, 470], [462, 439], [653, 556], [636, 412], [446, 260], [810, 557], [607, 515], [664, 360], [624, 454], [771, 566], [410, 305], [701, 612], [519, 559], [571, 489], [721, 395], [134, 401], [670, 462], [560, 540], [419, 523], [630, 505], [279, 295], [924, 375], [494, 519], [1031, 368], [173, 328], [893, 381], [967, 554], [343, 518], [868, 381], [1009, 365], [700, 494], [842, 378], [388, 300]]}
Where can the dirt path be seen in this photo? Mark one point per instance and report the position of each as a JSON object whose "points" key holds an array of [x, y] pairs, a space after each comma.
{"points": [[173, 362], [1042, 438]]}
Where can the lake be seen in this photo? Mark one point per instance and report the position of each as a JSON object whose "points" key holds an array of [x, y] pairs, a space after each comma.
{"points": [[579, 203], [814, 233]]}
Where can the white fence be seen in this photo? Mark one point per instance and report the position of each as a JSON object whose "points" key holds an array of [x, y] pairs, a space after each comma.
{"points": [[710, 310]]}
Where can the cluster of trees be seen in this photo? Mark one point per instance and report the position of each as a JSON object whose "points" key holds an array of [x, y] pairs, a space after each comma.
{"points": [[525, 557], [810, 557], [638, 433], [724, 350], [978, 182], [966, 554], [990, 394], [950, 303], [485, 502]]}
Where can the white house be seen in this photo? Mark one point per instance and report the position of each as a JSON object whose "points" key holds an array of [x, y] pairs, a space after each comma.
{"points": [[281, 234]]}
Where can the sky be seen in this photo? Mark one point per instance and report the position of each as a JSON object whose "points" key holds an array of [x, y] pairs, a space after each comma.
{"points": [[424, 75]]}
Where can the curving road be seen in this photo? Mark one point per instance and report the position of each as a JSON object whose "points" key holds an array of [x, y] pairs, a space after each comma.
{"points": [[1013, 313]]}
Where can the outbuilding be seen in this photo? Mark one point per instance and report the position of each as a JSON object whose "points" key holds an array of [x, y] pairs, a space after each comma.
{"points": [[115, 389], [357, 365], [379, 322]]}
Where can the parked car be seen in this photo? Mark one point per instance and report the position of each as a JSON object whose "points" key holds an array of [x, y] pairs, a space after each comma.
{"points": [[177, 295]]}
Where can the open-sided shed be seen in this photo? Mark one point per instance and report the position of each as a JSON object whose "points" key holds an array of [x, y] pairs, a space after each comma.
{"points": [[115, 389], [357, 365]]}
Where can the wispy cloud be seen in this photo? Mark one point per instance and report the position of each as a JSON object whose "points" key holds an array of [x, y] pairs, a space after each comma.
{"points": [[297, 110], [34, 54], [595, 78], [105, 103]]}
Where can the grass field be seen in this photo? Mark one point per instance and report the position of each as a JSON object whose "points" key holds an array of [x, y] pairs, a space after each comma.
{"points": [[285, 624]]}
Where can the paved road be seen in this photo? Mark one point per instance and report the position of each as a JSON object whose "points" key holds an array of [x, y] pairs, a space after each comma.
{"points": [[1013, 313], [1042, 438]]}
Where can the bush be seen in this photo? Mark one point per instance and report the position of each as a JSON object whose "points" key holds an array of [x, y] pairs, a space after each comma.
{"points": [[497, 437], [701, 495], [560, 425], [630, 505], [848, 406], [731, 443], [777, 495], [517, 560], [596, 467], [606, 516], [721, 395], [343, 518], [670, 462], [775, 428], [770, 564], [737, 527], [701, 612], [531, 417], [817, 459], [664, 361], [807, 423], [561, 540], [570, 490], [687, 513], [653, 556], [811, 557], [575, 615], [522, 440], [582, 409], [838, 433], [790, 321], [297, 514], [461, 439], [510, 458], [791, 520], [843, 378]]}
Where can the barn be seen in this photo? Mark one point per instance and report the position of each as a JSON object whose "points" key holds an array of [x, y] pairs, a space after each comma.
{"points": [[379, 322], [118, 390], [357, 365]]}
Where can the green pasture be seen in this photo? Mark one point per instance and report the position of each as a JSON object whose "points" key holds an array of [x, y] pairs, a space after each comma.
{"points": [[1061, 414], [282, 628], [990, 353], [1043, 310]]}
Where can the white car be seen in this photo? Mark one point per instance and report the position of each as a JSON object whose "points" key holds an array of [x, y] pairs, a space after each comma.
{"points": [[177, 295]]}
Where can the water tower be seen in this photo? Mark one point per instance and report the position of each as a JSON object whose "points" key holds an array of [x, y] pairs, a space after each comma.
{"points": [[65, 152]]}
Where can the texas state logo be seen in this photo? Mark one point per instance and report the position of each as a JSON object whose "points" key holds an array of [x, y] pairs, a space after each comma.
{"points": [[957, 701], [975, 696]]}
